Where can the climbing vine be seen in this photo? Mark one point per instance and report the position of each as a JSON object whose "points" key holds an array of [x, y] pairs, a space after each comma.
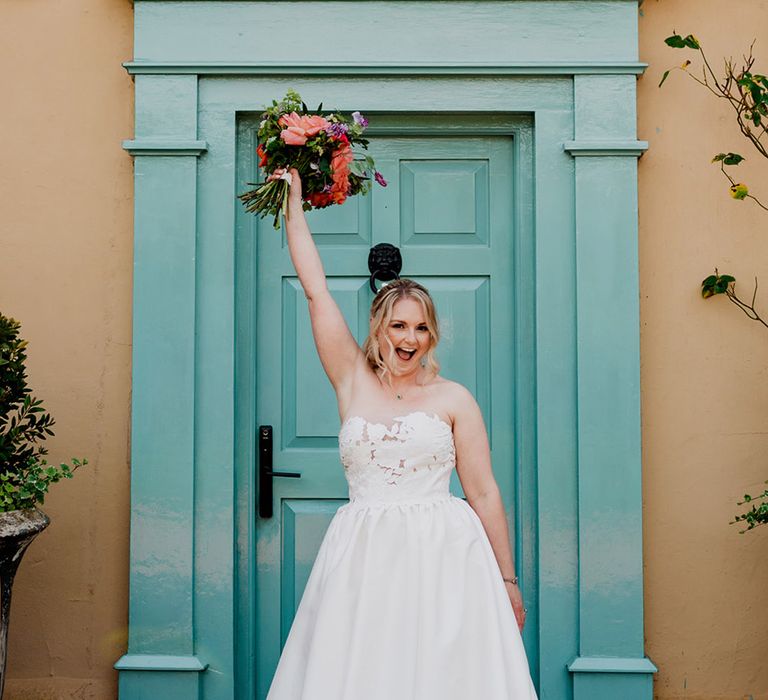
{"points": [[747, 92]]}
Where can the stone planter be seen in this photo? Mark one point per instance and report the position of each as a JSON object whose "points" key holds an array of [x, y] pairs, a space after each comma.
{"points": [[17, 530]]}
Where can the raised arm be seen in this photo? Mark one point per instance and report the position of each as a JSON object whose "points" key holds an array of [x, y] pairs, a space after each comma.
{"points": [[337, 348]]}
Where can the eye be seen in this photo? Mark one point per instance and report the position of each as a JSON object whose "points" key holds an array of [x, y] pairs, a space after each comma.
{"points": [[422, 328], [397, 325]]}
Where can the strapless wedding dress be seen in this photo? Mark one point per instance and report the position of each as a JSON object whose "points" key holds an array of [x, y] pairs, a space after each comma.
{"points": [[405, 599]]}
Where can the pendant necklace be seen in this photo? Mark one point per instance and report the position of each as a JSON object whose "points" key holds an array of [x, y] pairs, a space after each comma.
{"points": [[398, 395]]}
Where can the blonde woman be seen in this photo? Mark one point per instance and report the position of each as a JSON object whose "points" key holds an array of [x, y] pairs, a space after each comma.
{"points": [[413, 593]]}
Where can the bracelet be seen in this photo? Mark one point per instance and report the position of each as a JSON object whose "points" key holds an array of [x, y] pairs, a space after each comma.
{"points": [[512, 580]]}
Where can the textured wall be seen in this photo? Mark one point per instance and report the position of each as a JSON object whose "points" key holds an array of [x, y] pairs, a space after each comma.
{"points": [[65, 273], [704, 370]]}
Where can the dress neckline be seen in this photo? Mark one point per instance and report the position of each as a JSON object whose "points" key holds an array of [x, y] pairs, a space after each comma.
{"points": [[398, 419]]}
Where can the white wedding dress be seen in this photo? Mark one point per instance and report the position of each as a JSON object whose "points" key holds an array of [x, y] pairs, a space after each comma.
{"points": [[405, 600]]}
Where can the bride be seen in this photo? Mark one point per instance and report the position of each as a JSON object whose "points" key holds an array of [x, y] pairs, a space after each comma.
{"points": [[413, 593]]}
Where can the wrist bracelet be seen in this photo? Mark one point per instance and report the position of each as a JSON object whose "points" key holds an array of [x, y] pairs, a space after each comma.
{"points": [[512, 580]]}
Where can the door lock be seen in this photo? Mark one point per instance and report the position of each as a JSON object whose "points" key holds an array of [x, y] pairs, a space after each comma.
{"points": [[264, 448]]}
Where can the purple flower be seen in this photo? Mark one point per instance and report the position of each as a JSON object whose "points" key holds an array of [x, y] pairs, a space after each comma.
{"points": [[326, 189], [336, 129], [360, 119], [379, 178]]}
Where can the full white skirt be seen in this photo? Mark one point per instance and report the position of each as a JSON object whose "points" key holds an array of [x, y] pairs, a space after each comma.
{"points": [[405, 601]]}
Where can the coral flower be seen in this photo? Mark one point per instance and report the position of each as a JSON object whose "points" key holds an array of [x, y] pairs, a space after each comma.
{"points": [[300, 127], [341, 156], [262, 155], [338, 191], [340, 166], [319, 199]]}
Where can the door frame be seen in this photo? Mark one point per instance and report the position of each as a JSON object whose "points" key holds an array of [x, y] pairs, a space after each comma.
{"points": [[188, 432], [522, 519]]}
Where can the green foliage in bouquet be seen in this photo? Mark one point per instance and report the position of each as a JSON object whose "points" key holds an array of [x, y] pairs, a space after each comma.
{"points": [[24, 424]]}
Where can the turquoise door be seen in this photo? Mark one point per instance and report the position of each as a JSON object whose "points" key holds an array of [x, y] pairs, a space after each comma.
{"points": [[450, 207]]}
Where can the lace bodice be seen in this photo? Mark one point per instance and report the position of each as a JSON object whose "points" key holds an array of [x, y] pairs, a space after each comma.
{"points": [[409, 461]]}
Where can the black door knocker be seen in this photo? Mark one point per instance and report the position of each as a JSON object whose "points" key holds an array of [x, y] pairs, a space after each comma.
{"points": [[384, 263]]}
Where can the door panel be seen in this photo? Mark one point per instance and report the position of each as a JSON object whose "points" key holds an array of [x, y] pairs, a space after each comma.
{"points": [[304, 524], [459, 188], [449, 208]]}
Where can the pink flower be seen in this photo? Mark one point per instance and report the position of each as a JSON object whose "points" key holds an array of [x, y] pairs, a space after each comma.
{"points": [[300, 127]]}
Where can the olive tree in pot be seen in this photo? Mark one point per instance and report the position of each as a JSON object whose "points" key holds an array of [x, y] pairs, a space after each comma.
{"points": [[24, 473]]}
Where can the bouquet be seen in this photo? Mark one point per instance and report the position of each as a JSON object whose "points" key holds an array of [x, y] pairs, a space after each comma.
{"points": [[320, 148]]}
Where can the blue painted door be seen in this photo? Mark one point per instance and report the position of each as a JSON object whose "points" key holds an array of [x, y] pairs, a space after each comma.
{"points": [[450, 208]]}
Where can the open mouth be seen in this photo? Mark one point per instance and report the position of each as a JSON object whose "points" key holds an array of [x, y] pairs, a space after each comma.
{"points": [[405, 355]]}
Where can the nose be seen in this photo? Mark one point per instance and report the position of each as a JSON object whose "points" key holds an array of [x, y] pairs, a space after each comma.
{"points": [[412, 335]]}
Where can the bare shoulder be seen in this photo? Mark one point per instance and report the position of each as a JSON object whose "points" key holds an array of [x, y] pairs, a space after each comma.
{"points": [[456, 399]]}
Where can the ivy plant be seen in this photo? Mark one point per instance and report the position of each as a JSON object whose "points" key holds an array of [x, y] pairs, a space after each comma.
{"points": [[25, 474]]}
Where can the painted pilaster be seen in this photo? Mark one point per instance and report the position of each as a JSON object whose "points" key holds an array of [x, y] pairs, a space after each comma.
{"points": [[161, 661], [611, 661]]}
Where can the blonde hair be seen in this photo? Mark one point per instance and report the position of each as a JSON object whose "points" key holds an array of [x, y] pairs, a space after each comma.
{"points": [[381, 314]]}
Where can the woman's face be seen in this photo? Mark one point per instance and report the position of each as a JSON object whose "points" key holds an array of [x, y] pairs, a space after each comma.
{"points": [[408, 333]]}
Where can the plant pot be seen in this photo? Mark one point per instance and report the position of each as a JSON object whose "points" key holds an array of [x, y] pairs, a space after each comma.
{"points": [[17, 530]]}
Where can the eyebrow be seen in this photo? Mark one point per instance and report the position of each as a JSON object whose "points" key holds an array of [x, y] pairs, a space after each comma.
{"points": [[399, 320]]}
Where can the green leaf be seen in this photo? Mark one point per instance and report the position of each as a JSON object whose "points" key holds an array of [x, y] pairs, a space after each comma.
{"points": [[691, 42], [715, 284], [358, 167], [675, 41]]}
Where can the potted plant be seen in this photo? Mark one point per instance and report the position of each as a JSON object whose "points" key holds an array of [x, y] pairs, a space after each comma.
{"points": [[24, 473]]}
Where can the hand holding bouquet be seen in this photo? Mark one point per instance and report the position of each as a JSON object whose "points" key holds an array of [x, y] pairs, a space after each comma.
{"points": [[319, 148]]}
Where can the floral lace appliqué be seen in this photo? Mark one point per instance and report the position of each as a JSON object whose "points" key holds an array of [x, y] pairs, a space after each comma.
{"points": [[375, 455]]}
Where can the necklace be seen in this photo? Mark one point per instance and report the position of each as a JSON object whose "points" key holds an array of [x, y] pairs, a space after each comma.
{"points": [[398, 394]]}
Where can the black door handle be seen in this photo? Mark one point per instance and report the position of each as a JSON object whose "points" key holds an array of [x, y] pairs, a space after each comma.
{"points": [[264, 448]]}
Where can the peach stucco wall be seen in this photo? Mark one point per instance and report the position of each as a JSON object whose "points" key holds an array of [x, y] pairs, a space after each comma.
{"points": [[65, 272], [704, 365]]}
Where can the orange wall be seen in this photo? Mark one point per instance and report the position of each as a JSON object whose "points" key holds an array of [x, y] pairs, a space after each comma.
{"points": [[65, 272], [704, 365]]}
